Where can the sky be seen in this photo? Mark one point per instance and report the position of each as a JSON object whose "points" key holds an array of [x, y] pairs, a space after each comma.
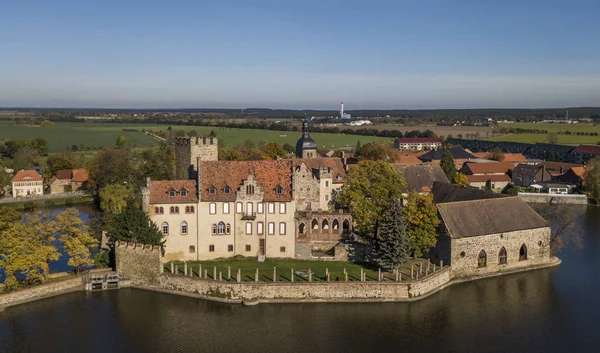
{"points": [[378, 54]]}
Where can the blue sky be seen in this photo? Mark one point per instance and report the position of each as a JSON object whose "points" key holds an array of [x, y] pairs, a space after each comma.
{"points": [[300, 54]]}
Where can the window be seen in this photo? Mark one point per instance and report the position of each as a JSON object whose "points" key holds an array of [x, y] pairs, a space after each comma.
{"points": [[230, 248], [172, 209], [482, 259], [248, 248], [282, 208], [227, 190], [279, 190], [176, 209], [165, 228], [211, 248], [271, 228], [228, 228], [523, 253], [259, 228], [325, 225], [271, 207], [301, 228], [183, 193], [502, 256], [213, 208], [249, 189], [187, 209], [162, 210], [249, 208], [260, 207], [221, 228], [184, 227], [171, 193], [226, 207], [212, 190], [327, 183], [239, 207], [282, 249], [192, 209], [192, 249], [156, 210], [214, 229], [248, 228], [282, 228]]}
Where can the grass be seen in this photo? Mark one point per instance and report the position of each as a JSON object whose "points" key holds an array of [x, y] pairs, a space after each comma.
{"points": [[543, 138], [248, 268]]}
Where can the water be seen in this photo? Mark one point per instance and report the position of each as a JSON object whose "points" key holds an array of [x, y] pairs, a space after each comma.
{"points": [[552, 310]]}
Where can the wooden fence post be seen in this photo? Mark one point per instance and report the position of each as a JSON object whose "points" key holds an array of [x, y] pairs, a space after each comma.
{"points": [[274, 274], [172, 267], [412, 271], [441, 264], [176, 269], [200, 270], [362, 274], [379, 274], [239, 275], [205, 273], [256, 276], [215, 273], [309, 275], [427, 271], [185, 268], [229, 273], [292, 275]]}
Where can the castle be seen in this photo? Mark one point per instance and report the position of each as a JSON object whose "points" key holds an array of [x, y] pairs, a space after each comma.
{"points": [[270, 208]]}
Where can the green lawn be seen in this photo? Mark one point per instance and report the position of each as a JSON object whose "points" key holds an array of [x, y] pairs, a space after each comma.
{"points": [[248, 268]]}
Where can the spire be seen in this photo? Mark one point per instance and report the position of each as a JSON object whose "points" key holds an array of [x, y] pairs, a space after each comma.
{"points": [[305, 131]]}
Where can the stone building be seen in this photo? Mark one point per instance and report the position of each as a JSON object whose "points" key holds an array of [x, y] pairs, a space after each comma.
{"points": [[189, 150], [27, 183], [69, 180], [306, 147]]}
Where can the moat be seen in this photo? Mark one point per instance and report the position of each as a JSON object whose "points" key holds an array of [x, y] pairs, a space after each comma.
{"points": [[554, 310]]}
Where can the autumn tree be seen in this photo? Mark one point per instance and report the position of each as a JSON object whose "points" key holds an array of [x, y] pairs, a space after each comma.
{"points": [[158, 164], [61, 161], [370, 189], [422, 219], [392, 246], [460, 179], [5, 181], [115, 197], [121, 141], [77, 241], [497, 155], [591, 179], [274, 150], [46, 123], [448, 166], [378, 151], [114, 166], [289, 148]]}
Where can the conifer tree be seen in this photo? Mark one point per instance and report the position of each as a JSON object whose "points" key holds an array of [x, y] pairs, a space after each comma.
{"points": [[392, 245], [133, 224], [448, 166]]}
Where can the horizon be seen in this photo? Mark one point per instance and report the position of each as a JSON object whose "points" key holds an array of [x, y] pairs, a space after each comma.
{"points": [[385, 55]]}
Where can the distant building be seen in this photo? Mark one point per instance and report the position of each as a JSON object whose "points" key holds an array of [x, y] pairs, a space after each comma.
{"points": [[27, 183], [478, 174], [68, 180], [421, 177], [526, 175], [583, 153], [459, 155], [418, 143], [306, 147], [574, 175]]}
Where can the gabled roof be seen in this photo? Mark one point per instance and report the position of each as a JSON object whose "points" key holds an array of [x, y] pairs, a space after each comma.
{"points": [[587, 149], [64, 174], [526, 169], [336, 165], [268, 174], [559, 165], [418, 140], [445, 192], [406, 160], [486, 168], [579, 171], [80, 175], [436, 155], [422, 176], [484, 178], [489, 216], [27, 175], [159, 191]]}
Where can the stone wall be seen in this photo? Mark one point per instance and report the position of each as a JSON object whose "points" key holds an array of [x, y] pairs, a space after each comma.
{"points": [[138, 262], [41, 291], [305, 291], [548, 198]]}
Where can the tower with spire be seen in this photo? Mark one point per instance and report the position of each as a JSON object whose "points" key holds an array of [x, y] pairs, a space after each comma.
{"points": [[306, 147]]}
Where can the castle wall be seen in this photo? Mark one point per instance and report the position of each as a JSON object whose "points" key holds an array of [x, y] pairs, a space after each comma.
{"points": [[138, 262], [187, 152]]}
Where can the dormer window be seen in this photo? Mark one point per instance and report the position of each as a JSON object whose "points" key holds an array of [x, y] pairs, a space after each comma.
{"points": [[183, 193], [279, 190], [227, 190], [249, 189], [212, 190], [171, 193], [339, 177]]}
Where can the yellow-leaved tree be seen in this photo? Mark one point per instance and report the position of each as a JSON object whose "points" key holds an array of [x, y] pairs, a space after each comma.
{"points": [[461, 179], [76, 239], [422, 220]]}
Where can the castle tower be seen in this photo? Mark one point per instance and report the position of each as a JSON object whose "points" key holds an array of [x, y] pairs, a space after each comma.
{"points": [[190, 150], [306, 147]]}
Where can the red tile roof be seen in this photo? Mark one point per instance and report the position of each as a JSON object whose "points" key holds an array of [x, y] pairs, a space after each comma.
{"points": [[418, 140], [587, 149], [268, 174], [579, 171], [80, 175], [27, 175], [487, 168], [159, 191], [484, 178], [64, 174], [406, 160]]}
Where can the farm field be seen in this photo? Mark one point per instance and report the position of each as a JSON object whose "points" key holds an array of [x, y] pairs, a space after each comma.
{"points": [[484, 131], [543, 138], [64, 135]]}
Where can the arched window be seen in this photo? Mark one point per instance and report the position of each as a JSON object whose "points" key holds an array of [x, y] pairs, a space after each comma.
{"points": [[156, 210], [346, 225], [176, 209], [221, 228], [214, 229], [249, 189], [335, 224], [228, 228], [191, 209], [172, 209], [482, 259], [184, 227], [301, 228], [502, 256], [162, 210], [523, 253], [325, 225], [315, 224], [187, 209], [165, 228]]}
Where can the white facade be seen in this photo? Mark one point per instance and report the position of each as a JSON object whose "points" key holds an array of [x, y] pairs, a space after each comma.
{"points": [[27, 188]]}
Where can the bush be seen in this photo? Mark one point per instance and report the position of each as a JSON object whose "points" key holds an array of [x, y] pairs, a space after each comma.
{"points": [[102, 259]]}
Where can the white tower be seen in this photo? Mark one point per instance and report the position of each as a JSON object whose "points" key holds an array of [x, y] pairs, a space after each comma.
{"points": [[342, 110]]}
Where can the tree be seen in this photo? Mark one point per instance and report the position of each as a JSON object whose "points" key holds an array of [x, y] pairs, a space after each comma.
{"points": [[114, 166], [511, 189], [370, 189], [553, 138], [358, 147], [562, 220], [115, 197], [158, 164], [5, 181], [392, 246], [289, 148], [192, 133], [61, 161], [488, 185], [460, 179], [25, 158], [274, 150], [212, 133], [448, 166], [497, 155], [76, 239], [121, 141], [133, 224], [46, 123], [422, 218], [591, 179], [378, 151]]}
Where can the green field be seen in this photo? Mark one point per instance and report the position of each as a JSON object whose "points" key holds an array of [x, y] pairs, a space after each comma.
{"points": [[64, 135], [543, 138]]}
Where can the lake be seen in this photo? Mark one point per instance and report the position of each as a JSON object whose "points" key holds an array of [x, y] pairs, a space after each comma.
{"points": [[551, 310]]}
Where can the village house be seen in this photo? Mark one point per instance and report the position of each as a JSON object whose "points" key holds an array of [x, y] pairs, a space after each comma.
{"points": [[420, 178], [583, 153], [459, 155], [574, 176], [526, 175], [68, 180], [478, 174], [27, 183], [417, 143]]}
